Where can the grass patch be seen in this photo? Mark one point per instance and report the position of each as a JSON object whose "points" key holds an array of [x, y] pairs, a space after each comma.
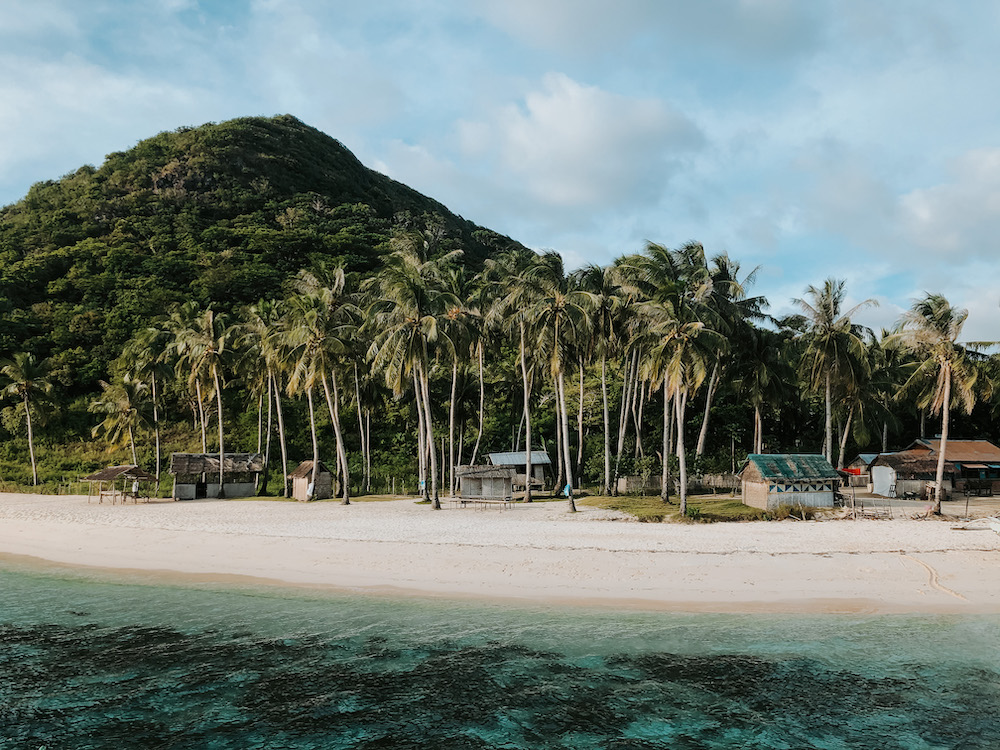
{"points": [[702, 508]]}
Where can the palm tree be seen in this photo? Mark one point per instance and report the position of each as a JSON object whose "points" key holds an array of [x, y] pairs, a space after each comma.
{"points": [[411, 299], [145, 358], [763, 375], [201, 340], [511, 273], [604, 337], [124, 404], [834, 345], [27, 379], [558, 317], [931, 328]]}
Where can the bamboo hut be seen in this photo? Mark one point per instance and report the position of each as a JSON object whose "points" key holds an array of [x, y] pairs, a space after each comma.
{"points": [[486, 484], [119, 483], [305, 487], [773, 480]]}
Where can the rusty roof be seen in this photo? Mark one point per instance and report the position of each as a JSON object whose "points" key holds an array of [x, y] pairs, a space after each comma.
{"points": [[128, 471], [958, 450], [304, 470], [912, 464]]}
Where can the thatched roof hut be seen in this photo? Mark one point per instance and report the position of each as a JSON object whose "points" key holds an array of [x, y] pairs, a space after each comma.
{"points": [[119, 482], [486, 484], [194, 474]]}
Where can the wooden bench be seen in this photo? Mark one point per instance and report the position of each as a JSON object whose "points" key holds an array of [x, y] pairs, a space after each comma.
{"points": [[484, 502]]}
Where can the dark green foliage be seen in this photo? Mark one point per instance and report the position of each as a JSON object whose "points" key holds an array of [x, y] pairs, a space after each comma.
{"points": [[223, 214]]}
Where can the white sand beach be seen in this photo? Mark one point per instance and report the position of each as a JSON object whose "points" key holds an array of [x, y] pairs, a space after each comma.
{"points": [[538, 552]]}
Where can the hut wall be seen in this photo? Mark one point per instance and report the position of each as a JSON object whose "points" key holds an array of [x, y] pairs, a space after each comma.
{"points": [[233, 489], [322, 491], [755, 494], [883, 477], [183, 491]]}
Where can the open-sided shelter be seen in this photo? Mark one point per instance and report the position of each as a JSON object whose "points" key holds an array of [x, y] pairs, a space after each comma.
{"points": [[539, 465], [306, 487], [120, 483], [772, 480], [197, 474], [486, 484], [971, 466]]}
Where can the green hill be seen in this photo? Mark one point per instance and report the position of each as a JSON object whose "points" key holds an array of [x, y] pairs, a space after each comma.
{"points": [[223, 213]]}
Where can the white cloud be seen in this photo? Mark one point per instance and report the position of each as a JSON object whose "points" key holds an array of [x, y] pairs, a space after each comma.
{"points": [[578, 146]]}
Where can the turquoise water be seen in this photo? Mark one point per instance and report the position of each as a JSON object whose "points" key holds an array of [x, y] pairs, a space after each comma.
{"points": [[95, 662]]}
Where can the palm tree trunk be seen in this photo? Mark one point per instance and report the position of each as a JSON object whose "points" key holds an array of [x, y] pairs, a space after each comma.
{"points": [[266, 477], [665, 474], [565, 442], [222, 450], [923, 423], [758, 430], [680, 403], [885, 436], [607, 426], [713, 383], [201, 417], [451, 429], [368, 451], [945, 413], [260, 423], [527, 418], [436, 501], [829, 419], [579, 433], [361, 430], [333, 404], [482, 403], [131, 442], [156, 431], [31, 442], [560, 473], [640, 403], [843, 437], [315, 442], [422, 483], [281, 436], [623, 420]]}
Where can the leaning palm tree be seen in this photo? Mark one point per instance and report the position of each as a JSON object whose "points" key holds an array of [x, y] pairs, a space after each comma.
{"points": [[123, 403], [25, 378], [931, 328], [201, 341], [834, 345]]}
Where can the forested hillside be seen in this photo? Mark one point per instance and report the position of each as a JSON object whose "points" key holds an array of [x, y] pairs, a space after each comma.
{"points": [[220, 214]]}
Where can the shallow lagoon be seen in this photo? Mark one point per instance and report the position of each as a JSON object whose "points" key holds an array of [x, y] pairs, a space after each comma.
{"points": [[94, 660]]}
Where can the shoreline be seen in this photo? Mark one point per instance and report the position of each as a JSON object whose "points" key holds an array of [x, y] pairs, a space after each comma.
{"points": [[528, 555]]}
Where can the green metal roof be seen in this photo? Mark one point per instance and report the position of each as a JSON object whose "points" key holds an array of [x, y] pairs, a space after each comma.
{"points": [[792, 466]]}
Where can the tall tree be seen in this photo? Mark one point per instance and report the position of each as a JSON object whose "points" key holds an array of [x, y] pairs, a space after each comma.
{"points": [[931, 327], [25, 378], [201, 340], [124, 403], [834, 345]]}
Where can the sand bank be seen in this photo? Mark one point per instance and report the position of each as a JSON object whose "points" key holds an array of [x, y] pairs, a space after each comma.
{"points": [[537, 552]]}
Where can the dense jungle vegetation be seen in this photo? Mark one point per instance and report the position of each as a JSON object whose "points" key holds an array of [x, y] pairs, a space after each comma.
{"points": [[251, 285]]}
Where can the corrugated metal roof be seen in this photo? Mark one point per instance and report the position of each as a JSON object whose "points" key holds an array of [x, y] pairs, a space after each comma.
{"points": [[792, 466], [538, 458], [485, 471]]}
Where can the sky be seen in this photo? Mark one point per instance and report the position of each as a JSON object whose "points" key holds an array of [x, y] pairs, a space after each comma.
{"points": [[810, 139]]}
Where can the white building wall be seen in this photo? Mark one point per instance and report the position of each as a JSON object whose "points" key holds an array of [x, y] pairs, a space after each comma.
{"points": [[883, 477]]}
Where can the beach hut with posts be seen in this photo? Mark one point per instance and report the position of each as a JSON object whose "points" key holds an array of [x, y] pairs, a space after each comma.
{"points": [[540, 464], [971, 467], [486, 484], [196, 475], [306, 486], [120, 483], [770, 481]]}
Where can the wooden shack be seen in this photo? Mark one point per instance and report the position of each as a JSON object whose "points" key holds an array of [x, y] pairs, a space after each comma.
{"points": [[859, 470], [539, 465], [971, 466], [486, 484], [196, 475], [305, 488], [120, 483], [772, 480]]}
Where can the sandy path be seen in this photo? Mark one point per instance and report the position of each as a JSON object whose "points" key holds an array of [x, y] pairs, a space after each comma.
{"points": [[537, 552]]}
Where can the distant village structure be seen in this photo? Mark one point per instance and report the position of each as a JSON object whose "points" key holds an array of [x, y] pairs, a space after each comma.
{"points": [[971, 467], [306, 487], [196, 475], [539, 465], [770, 481]]}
